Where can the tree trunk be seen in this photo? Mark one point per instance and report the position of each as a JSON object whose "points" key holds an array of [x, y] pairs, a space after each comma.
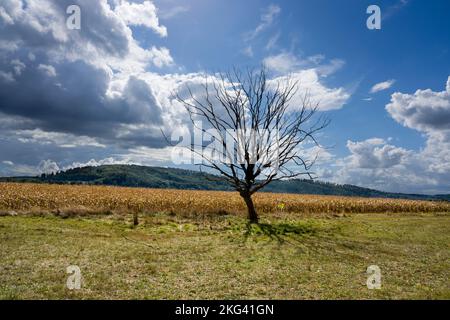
{"points": [[135, 218], [252, 215]]}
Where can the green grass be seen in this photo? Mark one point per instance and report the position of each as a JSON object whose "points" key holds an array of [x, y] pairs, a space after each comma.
{"points": [[170, 257]]}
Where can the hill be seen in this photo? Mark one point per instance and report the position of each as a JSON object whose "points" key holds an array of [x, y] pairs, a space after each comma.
{"points": [[158, 177]]}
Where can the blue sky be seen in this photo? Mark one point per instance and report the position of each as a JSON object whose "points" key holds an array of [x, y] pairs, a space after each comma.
{"points": [[412, 47], [129, 55]]}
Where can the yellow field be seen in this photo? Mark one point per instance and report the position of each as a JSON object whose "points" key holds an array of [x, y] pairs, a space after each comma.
{"points": [[103, 199]]}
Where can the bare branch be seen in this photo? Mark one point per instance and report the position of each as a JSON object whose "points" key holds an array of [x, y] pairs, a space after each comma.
{"points": [[255, 127]]}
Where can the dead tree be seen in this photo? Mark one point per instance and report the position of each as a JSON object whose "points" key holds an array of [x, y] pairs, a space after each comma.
{"points": [[254, 129]]}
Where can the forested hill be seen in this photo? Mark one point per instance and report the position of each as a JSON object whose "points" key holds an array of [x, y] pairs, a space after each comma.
{"points": [[157, 177]]}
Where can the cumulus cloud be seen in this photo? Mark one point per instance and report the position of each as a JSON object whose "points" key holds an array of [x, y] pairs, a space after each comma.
{"points": [[144, 14], [282, 63], [375, 153], [382, 86], [75, 95], [428, 111], [379, 164], [48, 166], [137, 156], [310, 73], [80, 82], [97, 83], [425, 110], [375, 163], [310, 85], [95, 163]]}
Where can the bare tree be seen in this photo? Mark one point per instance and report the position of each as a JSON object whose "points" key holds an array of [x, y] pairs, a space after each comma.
{"points": [[255, 131]]}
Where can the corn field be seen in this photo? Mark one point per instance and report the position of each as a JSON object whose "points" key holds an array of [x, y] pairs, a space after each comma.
{"points": [[29, 197]]}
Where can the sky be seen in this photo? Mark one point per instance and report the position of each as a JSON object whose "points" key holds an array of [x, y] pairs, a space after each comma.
{"points": [[102, 93]]}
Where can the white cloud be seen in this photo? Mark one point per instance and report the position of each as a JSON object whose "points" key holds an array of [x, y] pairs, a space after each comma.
{"points": [[144, 14], [110, 93], [375, 153], [18, 66], [425, 110], [173, 11], [378, 164], [160, 57], [95, 163], [47, 166], [286, 62], [5, 17], [63, 140], [382, 86], [96, 87], [271, 43], [268, 16], [309, 85], [310, 73], [327, 69], [142, 156], [6, 77], [48, 70], [283, 63]]}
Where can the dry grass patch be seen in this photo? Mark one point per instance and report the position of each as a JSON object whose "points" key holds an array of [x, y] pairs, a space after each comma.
{"points": [[175, 257]]}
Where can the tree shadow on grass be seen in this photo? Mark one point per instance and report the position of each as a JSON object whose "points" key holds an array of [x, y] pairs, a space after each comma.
{"points": [[280, 232]]}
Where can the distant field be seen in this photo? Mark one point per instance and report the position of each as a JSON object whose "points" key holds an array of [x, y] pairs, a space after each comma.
{"points": [[198, 245], [69, 199]]}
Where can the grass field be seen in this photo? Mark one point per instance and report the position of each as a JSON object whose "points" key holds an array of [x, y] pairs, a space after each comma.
{"points": [[177, 253]]}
